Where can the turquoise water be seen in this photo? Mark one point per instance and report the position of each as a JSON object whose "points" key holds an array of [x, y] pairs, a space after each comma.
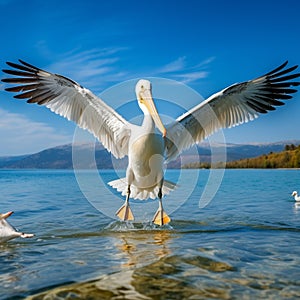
{"points": [[244, 244]]}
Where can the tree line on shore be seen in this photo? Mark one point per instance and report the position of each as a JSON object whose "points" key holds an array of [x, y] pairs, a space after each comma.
{"points": [[288, 158]]}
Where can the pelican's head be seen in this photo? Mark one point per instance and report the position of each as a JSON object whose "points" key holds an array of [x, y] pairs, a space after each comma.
{"points": [[143, 92], [294, 193]]}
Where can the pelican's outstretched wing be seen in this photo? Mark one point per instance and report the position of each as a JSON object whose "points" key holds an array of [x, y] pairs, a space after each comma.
{"points": [[232, 106], [72, 101]]}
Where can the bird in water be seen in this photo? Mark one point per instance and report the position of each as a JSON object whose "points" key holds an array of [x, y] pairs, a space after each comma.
{"points": [[8, 232], [296, 196], [147, 150]]}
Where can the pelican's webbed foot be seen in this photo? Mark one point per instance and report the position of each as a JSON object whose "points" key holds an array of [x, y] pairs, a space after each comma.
{"points": [[161, 218], [125, 213]]}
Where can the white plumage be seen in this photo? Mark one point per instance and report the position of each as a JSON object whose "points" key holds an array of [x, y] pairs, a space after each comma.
{"points": [[8, 232], [296, 196], [146, 150]]}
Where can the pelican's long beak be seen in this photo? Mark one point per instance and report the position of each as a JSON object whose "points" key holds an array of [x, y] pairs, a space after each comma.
{"points": [[6, 215], [147, 100]]}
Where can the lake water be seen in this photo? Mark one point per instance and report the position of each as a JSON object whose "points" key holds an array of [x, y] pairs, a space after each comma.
{"points": [[245, 244]]}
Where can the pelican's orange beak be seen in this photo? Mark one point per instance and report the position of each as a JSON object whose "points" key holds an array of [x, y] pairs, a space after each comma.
{"points": [[147, 100], [6, 215]]}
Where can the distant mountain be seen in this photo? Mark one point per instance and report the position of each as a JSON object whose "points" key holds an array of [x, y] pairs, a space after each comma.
{"points": [[84, 156], [4, 160], [87, 156]]}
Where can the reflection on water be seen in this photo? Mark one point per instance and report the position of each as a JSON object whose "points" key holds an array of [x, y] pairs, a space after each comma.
{"points": [[137, 247], [297, 207], [154, 265], [140, 244], [136, 255]]}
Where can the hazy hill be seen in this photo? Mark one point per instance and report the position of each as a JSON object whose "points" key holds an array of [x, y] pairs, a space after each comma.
{"points": [[87, 156]]}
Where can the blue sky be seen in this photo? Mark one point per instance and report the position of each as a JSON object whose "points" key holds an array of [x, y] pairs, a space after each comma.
{"points": [[207, 45]]}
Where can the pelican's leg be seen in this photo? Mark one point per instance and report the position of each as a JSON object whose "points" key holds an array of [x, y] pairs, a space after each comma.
{"points": [[124, 212], [160, 218]]}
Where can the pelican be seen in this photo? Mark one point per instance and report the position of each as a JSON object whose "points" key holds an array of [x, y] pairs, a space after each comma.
{"points": [[7, 232], [296, 197], [146, 149]]}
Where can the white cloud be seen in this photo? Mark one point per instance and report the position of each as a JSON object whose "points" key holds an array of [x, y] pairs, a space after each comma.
{"points": [[174, 66], [20, 135], [94, 69], [98, 69], [181, 71], [205, 62], [191, 76]]}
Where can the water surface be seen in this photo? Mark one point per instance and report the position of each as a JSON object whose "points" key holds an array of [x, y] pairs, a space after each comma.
{"points": [[244, 244]]}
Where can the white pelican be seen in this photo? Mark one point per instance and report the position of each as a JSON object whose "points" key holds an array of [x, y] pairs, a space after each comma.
{"points": [[296, 196], [147, 150], [7, 232]]}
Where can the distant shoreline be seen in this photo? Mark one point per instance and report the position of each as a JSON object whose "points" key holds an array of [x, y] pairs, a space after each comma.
{"points": [[120, 170]]}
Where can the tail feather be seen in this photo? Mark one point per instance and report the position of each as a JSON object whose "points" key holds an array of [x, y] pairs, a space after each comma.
{"points": [[139, 193]]}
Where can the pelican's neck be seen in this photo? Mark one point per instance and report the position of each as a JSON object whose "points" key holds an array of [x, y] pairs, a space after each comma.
{"points": [[148, 123]]}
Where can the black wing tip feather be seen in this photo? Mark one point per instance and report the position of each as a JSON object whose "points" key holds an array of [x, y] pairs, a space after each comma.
{"points": [[24, 70], [272, 89], [282, 78], [14, 65], [29, 82], [23, 66], [276, 88], [29, 65], [281, 70], [31, 72]]}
